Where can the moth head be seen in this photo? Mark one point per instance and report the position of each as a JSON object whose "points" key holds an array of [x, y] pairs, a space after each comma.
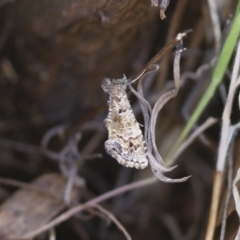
{"points": [[106, 84], [114, 85]]}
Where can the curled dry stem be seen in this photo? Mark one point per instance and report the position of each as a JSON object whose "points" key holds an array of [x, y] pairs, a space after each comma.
{"points": [[150, 115]]}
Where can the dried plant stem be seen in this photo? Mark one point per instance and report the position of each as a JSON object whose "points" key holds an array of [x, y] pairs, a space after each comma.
{"points": [[208, 123], [173, 28], [70, 184], [110, 194], [223, 148], [215, 24], [162, 101], [218, 178], [218, 74], [114, 219], [150, 115], [237, 199], [226, 114], [71, 212], [155, 60], [229, 191]]}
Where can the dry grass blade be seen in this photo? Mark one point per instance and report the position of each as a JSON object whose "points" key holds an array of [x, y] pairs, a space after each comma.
{"points": [[237, 199], [226, 114], [114, 219], [218, 73], [216, 24], [223, 148], [208, 123], [229, 190]]}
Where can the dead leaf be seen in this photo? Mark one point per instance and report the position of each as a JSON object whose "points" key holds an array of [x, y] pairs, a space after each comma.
{"points": [[27, 210]]}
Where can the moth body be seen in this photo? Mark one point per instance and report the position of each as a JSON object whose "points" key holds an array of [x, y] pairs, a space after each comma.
{"points": [[125, 140]]}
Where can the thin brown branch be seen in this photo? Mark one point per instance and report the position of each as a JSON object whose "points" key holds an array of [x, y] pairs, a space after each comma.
{"points": [[155, 60]]}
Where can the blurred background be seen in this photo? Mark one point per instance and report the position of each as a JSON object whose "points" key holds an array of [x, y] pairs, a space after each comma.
{"points": [[53, 57]]}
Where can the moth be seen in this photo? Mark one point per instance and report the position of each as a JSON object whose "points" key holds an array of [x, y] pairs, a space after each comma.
{"points": [[125, 139]]}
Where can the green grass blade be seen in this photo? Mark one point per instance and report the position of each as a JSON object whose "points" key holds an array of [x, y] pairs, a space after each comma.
{"points": [[218, 73], [238, 9]]}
